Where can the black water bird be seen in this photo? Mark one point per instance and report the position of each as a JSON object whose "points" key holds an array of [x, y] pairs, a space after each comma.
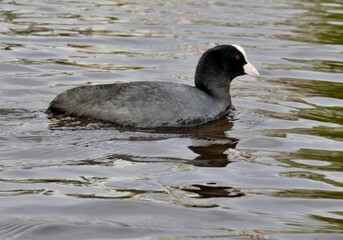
{"points": [[162, 104]]}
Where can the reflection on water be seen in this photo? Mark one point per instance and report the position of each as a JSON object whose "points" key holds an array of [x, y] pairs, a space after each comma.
{"points": [[273, 169]]}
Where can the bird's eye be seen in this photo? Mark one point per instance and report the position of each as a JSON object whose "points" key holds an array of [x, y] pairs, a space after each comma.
{"points": [[238, 57]]}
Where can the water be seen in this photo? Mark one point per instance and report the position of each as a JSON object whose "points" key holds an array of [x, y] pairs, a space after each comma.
{"points": [[271, 171]]}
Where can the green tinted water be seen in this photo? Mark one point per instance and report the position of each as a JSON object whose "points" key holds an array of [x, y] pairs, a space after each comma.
{"points": [[272, 171]]}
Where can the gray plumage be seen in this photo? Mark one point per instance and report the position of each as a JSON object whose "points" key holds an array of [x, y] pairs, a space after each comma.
{"points": [[160, 104]]}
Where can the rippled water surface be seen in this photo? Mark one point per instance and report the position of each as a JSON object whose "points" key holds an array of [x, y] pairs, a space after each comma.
{"points": [[273, 170]]}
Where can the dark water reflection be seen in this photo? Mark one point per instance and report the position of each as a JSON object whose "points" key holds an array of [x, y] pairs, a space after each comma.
{"points": [[272, 170]]}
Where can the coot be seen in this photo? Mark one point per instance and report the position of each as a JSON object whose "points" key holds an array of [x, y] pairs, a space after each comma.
{"points": [[162, 104]]}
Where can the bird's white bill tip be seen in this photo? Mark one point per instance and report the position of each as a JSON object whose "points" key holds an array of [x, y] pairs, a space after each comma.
{"points": [[250, 70]]}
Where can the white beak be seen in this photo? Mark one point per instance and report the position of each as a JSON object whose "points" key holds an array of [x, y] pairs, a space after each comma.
{"points": [[250, 70]]}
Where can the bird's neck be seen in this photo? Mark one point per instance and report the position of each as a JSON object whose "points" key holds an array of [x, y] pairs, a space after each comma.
{"points": [[221, 91], [218, 87]]}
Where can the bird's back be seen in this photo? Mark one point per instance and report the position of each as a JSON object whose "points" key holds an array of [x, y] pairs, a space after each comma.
{"points": [[140, 104]]}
